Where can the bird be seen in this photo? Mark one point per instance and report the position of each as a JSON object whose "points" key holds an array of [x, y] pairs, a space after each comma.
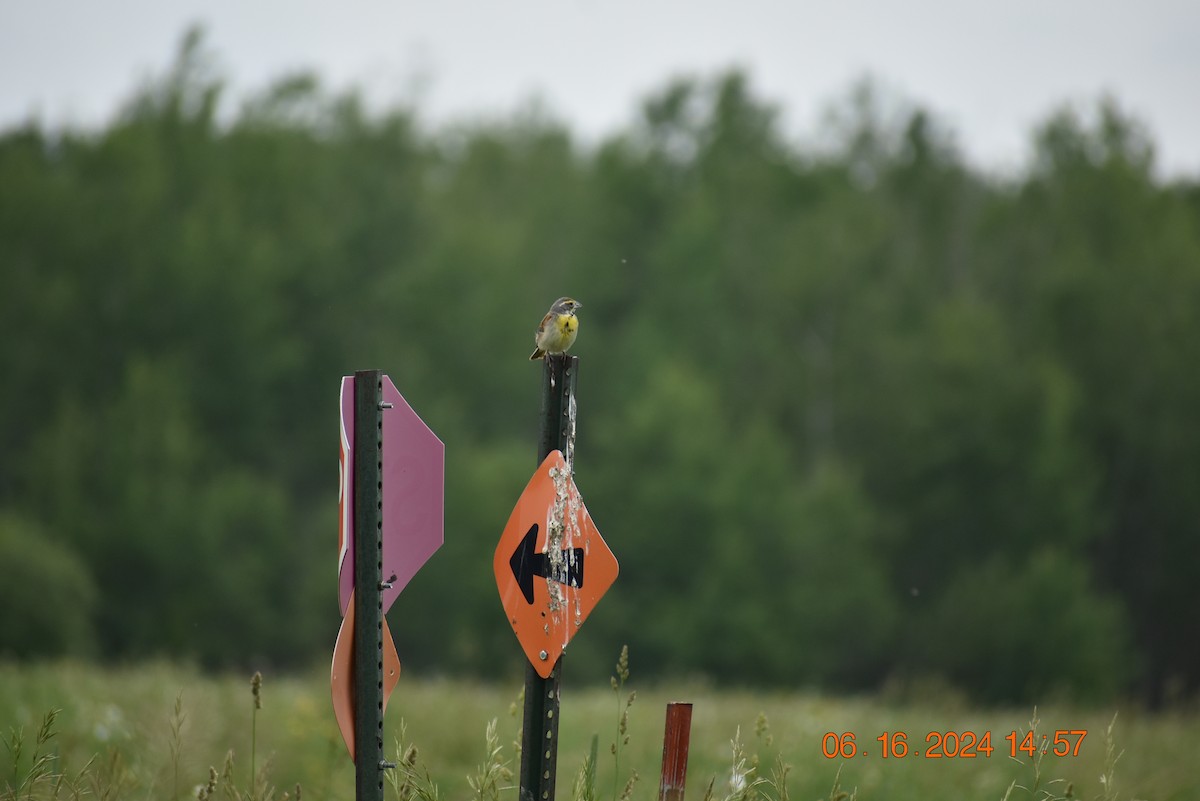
{"points": [[556, 332]]}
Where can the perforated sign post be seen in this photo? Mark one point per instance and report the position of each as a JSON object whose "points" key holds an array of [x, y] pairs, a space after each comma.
{"points": [[390, 523], [551, 568]]}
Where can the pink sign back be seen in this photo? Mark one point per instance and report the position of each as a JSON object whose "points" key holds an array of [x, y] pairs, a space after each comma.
{"points": [[413, 493]]}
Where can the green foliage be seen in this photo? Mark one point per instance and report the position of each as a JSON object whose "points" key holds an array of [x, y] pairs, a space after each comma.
{"points": [[47, 595], [1026, 631], [827, 389]]}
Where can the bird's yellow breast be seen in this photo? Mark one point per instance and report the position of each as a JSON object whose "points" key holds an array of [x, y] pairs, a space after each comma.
{"points": [[568, 324], [560, 334]]}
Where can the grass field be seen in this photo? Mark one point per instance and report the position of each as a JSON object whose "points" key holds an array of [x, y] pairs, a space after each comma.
{"points": [[153, 731]]}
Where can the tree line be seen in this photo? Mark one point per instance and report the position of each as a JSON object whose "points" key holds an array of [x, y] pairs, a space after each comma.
{"points": [[853, 413]]}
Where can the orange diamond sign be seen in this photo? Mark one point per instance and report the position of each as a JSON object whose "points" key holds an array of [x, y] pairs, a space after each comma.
{"points": [[551, 564], [341, 674]]}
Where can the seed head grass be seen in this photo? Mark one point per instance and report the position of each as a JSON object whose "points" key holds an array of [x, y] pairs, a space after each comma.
{"points": [[159, 732]]}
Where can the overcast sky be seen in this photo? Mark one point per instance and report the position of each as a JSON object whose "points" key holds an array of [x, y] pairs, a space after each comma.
{"points": [[990, 71]]}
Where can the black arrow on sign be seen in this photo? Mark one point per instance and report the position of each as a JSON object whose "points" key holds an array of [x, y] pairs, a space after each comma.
{"points": [[526, 564]]}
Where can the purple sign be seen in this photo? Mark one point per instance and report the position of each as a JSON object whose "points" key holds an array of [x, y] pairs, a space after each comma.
{"points": [[413, 493]]}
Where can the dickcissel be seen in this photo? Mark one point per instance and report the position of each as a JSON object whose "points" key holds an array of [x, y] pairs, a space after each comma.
{"points": [[556, 333]]}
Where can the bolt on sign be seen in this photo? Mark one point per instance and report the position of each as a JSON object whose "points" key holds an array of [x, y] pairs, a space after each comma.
{"points": [[413, 528], [551, 564]]}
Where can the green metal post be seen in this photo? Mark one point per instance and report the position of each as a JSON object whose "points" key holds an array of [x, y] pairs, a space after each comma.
{"points": [[539, 727], [368, 575]]}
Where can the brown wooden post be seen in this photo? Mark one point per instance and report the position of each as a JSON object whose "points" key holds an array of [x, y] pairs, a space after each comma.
{"points": [[676, 738]]}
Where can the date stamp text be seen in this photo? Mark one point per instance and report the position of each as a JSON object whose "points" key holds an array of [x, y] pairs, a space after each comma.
{"points": [[952, 744]]}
